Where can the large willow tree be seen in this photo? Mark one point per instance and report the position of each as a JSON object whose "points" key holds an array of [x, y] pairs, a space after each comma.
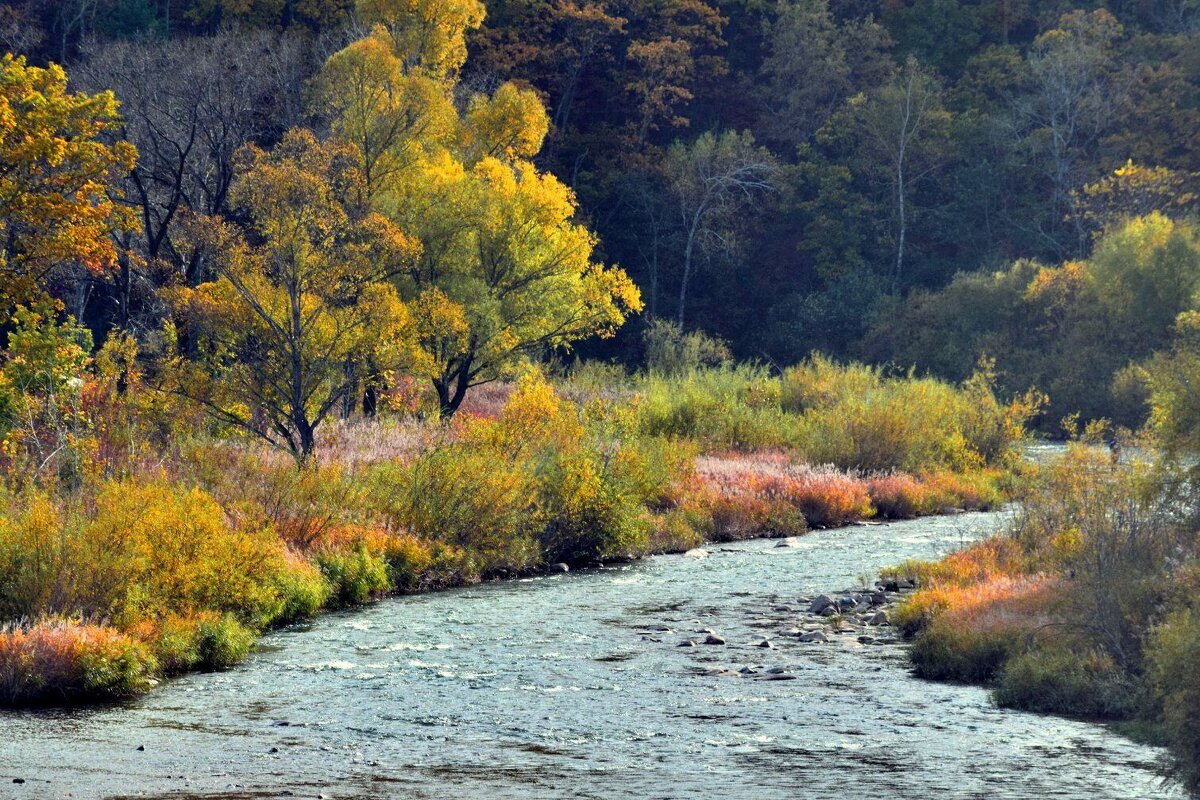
{"points": [[504, 270]]}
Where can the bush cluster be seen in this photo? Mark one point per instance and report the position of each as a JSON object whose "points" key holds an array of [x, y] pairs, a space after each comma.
{"points": [[1084, 607], [178, 562], [851, 416]]}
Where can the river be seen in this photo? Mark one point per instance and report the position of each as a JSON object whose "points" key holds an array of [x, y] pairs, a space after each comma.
{"points": [[558, 687]]}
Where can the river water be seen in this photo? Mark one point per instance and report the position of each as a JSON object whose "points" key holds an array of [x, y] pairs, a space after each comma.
{"points": [[559, 687]]}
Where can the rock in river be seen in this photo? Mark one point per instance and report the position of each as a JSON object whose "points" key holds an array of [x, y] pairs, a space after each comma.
{"points": [[820, 603], [814, 636], [559, 568], [712, 638], [879, 618]]}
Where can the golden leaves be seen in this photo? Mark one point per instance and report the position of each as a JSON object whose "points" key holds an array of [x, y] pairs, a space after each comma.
{"points": [[55, 204]]}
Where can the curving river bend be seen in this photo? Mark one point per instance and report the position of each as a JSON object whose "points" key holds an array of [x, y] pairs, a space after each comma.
{"points": [[552, 687]]}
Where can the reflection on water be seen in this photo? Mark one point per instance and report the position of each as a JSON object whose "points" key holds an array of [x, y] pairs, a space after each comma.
{"points": [[574, 686]]}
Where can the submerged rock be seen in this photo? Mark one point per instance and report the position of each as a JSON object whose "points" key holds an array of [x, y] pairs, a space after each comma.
{"points": [[559, 568], [712, 638], [814, 636]]}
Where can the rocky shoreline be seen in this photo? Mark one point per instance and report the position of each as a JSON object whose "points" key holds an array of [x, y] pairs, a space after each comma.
{"points": [[853, 617]]}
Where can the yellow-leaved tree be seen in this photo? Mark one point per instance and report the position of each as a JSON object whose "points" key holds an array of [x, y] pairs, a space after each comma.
{"points": [[302, 310], [56, 179], [504, 270]]}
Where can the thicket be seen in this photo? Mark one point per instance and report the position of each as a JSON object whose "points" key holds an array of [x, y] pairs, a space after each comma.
{"points": [[855, 417], [146, 541], [1084, 607]]}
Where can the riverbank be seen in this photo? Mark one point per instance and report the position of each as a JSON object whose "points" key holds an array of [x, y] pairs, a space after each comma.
{"points": [[549, 686], [1084, 606], [161, 570]]}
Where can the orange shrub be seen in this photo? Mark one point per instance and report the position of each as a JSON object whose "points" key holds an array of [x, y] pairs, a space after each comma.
{"points": [[826, 499], [898, 496], [56, 660], [752, 494], [969, 632]]}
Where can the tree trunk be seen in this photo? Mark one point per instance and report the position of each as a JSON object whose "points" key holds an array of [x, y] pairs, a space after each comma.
{"points": [[903, 219], [687, 267], [452, 389]]}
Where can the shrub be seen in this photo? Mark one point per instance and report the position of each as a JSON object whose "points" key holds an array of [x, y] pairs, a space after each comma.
{"points": [[473, 498], [674, 532], [976, 490], [416, 564], [854, 417], [588, 511], [355, 573], [137, 550], [943, 651], [857, 418], [221, 641], [1172, 655], [824, 498], [1056, 680], [967, 632], [749, 495], [898, 496], [302, 589], [56, 660], [670, 351], [731, 407]]}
